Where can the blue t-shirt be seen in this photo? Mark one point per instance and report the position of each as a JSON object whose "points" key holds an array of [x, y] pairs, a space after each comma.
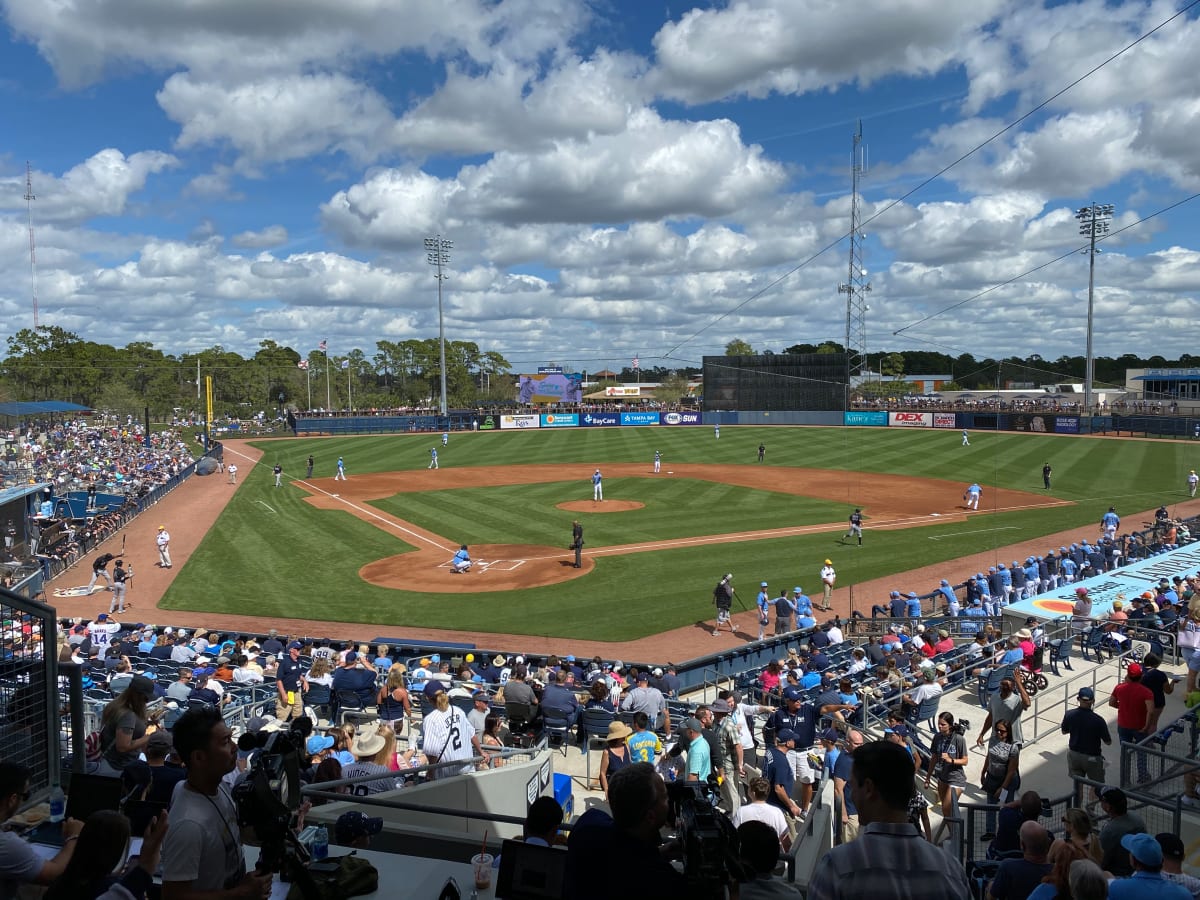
{"points": [[779, 773], [841, 769], [644, 746]]}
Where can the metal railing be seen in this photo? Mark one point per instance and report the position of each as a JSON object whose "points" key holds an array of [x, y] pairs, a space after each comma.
{"points": [[29, 705]]}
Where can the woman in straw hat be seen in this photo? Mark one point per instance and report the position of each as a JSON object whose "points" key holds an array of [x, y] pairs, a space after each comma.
{"points": [[370, 742], [616, 753]]}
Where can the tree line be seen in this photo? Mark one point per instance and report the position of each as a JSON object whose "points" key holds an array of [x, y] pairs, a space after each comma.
{"points": [[51, 363]]}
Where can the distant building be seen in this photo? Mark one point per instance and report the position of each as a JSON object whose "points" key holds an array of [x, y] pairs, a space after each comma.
{"points": [[1163, 384]]}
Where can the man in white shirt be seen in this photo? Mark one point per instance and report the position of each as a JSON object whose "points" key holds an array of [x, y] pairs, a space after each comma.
{"points": [[828, 577], [835, 632], [101, 631]]}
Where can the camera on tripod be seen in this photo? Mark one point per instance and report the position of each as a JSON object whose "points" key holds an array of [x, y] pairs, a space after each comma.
{"points": [[270, 793]]}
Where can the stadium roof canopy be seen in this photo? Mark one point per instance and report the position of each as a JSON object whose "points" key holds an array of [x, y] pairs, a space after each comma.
{"points": [[31, 408]]}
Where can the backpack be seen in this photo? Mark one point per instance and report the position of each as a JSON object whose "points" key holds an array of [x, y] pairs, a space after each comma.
{"points": [[352, 877]]}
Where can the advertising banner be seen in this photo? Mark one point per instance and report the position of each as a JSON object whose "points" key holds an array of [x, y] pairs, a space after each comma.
{"points": [[1129, 580], [639, 418], [1036, 423], [864, 418], [592, 420], [944, 420], [910, 420], [681, 418], [550, 387], [489, 423], [617, 390], [526, 421], [1066, 424], [560, 420]]}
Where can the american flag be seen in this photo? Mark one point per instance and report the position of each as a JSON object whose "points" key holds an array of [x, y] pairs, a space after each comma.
{"points": [[323, 346], [635, 363], [303, 364]]}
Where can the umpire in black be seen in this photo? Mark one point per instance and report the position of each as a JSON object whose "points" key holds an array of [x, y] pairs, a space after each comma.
{"points": [[577, 543]]}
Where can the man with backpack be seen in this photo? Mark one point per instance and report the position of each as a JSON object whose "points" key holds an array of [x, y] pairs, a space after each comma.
{"points": [[723, 599]]}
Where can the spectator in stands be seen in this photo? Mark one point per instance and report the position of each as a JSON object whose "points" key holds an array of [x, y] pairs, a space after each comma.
{"points": [[516, 690], [102, 847], [759, 810], [599, 697], [1134, 703], [1172, 868], [1009, 821], [651, 701], [1000, 775], [356, 676], [1078, 831], [1016, 879], [926, 690], [491, 741], [393, 700], [1147, 879], [769, 678], [1081, 612], [638, 798], [846, 826], [1121, 822], [758, 847], [19, 864], [1056, 883], [355, 829], [125, 729], [890, 858], [1007, 703], [558, 696]]}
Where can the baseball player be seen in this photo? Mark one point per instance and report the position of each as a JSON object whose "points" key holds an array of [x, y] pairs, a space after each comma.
{"points": [[764, 609], [445, 438], [1046, 472], [461, 562], [232, 473], [341, 470], [277, 471], [308, 470], [966, 438], [163, 541], [433, 464], [828, 577], [717, 432], [723, 598], [856, 520], [120, 580], [974, 492], [762, 452], [597, 486], [1192, 480], [657, 461], [577, 543], [100, 570], [1110, 522]]}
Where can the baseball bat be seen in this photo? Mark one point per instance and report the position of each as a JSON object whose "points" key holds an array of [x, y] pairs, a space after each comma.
{"points": [[123, 543], [739, 600]]}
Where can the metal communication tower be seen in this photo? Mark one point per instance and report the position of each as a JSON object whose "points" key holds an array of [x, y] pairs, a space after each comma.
{"points": [[856, 287], [29, 198]]}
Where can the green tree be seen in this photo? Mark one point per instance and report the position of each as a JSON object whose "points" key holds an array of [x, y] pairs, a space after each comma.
{"points": [[738, 347], [673, 388], [892, 365]]}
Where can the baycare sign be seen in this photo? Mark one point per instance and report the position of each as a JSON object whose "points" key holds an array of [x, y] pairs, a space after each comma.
{"points": [[910, 420]]}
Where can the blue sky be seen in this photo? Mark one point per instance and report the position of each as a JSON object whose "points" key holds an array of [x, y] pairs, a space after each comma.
{"points": [[617, 177]]}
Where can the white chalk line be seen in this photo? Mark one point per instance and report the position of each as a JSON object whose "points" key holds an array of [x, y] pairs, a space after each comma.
{"points": [[372, 514], [268, 506], [939, 537]]}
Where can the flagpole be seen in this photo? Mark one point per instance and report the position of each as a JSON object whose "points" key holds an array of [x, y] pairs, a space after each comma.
{"points": [[349, 391], [328, 395], [308, 378]]}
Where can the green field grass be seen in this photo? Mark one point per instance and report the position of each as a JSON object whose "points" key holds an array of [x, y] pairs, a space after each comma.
{"points": [[272, 554]]}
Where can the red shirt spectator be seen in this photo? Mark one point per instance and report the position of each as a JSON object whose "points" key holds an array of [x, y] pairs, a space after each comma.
{"points": [[1133, 700]]}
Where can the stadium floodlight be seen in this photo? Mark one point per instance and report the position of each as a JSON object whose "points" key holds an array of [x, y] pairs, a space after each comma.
{"points": [[1093, 223], [437, 253]]}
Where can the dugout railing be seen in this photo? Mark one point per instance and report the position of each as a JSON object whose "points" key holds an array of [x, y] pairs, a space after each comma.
{"points": [[29, 728]]}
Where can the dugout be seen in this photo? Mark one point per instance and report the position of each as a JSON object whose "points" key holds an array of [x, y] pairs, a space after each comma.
{"points": [[781, 381]]}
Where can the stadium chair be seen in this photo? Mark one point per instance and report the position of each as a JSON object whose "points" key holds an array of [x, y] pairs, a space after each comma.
{"points": [[1060, 652], [992, 684], [522, 723], [556, 724], [320, 698], [595, 724], [350, 706], [926, 712], [464, 704], [1094, 644]]}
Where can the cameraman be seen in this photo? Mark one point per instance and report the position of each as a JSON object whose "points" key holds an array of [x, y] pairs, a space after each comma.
{"points": [[202, 855]]}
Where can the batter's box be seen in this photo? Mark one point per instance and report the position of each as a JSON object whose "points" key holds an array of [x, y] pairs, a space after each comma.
{"points": [[499, 565]]}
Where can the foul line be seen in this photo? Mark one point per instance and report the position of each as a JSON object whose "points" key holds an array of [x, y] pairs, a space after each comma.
{"points": [[939, 537], [372, 514], [268, 506]]}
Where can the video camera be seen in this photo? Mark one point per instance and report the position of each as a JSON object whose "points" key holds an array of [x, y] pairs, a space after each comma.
{"points": [[269, 793], [708, 840]]}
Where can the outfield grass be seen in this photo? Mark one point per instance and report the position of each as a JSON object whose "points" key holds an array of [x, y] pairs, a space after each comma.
{"points": [[272, 554]]}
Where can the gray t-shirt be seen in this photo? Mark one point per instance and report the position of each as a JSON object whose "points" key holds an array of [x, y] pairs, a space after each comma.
{"points": [[1008, 708], [128, 721], [18, 865], [203, 847], [359, 769]]}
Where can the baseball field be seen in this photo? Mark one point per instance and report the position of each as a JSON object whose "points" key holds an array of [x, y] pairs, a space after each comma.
{"points": [[376, 547]]}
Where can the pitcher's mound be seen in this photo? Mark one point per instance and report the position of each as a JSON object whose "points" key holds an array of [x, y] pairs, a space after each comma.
{"points": [[598, 506]]}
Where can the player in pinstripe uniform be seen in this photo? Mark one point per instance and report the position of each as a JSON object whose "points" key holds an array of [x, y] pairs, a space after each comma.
{"points": [[447, 735]]}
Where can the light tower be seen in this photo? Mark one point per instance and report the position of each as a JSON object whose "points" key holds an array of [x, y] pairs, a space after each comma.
{"points": [[29, 198], [437, 253], [1093, 223], [856, 287]]}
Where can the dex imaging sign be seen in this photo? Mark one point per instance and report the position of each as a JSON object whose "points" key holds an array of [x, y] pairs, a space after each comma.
{"points": [[910, 420]]}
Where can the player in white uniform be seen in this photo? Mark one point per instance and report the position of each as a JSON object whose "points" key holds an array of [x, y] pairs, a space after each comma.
{"points": [[341, 471], [447, 735], [164, 547], [597, 486], [445, 438], [966, 438], [1192, 480], [433, 464], [974, 492], [828, 577], [658, 464]]}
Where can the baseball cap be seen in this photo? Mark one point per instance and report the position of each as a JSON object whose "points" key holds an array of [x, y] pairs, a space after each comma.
{"points": [[481, 695], [1144, 849], [658, 673], [1080, 591], [912, 595], [900, 729], [355, 824], [944, 581], [256, 724], [793, 694], [692, 724], [831, 735], [829, 562], [1135, 670], [894, 594], [318, 743], [797, 590], [1172, 846], [161, 741], [103, 617], [295, 645], [1086, 693], [762, 584], [142, 685], [786, 736], [1108, 792], [351, 657], [162, 527], [643, 675], [433, 687]]}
